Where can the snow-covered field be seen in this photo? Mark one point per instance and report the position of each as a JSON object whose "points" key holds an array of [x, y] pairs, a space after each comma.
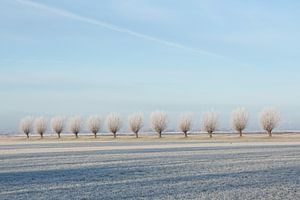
{"points": [[149, 169]]}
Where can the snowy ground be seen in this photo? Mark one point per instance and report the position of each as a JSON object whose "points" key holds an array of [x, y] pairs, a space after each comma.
{"points": [[149, 170]]}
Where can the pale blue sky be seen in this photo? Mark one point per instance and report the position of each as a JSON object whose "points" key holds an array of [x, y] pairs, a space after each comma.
{"points": [[83, 57]]}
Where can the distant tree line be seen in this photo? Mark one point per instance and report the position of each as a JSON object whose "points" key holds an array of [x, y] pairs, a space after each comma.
{"points": [[269, 119]]}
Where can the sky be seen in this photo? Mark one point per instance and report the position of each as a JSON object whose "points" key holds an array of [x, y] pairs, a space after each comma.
{"points": [[87, 57]]}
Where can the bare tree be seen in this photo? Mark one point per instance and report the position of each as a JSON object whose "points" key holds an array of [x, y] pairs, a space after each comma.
{"points": [[57, 124], [75, 125], [185, 123], [239, 120], [269, 119], [114, 123], [41, 125], [210, 122], [135, 122], [26, 125], [94, 124], [159, 121]]}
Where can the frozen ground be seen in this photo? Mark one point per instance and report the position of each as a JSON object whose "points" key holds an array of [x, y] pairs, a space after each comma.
{"points": [[149, 170]]}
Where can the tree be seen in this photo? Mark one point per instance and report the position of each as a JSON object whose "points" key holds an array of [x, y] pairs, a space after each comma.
{"points": [[94, 124], [57, 124], [239, 120], [41, 125], [26, 125], [185, 123], [210, 121], [269, 119], [114, 123], [135, 122], [159, 121], [75, 125]]}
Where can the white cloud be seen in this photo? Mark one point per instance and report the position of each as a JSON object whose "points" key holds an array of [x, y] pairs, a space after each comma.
{"points": [[74, 16]]}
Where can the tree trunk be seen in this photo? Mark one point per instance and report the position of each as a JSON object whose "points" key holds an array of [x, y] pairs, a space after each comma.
{"points": [[136, 135], [159, 134], [241, 133], [58, 135], [115, 135], [27, 135], [185, 134], [270, 133], [41, 135], [76, 135], [95, 135], [210, 134]]}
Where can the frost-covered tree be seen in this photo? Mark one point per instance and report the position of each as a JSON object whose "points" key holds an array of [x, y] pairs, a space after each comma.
{"points": [[159, 121], [210, 122], [185, 123], [57, 124], [239, 120], [135, 122], [41, 125], [269, 119], [94, 124], [114, 123], [26, 125], [75, 124]]}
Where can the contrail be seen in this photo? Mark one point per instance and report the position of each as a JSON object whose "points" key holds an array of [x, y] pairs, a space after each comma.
{"points": [[113, 27]]}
